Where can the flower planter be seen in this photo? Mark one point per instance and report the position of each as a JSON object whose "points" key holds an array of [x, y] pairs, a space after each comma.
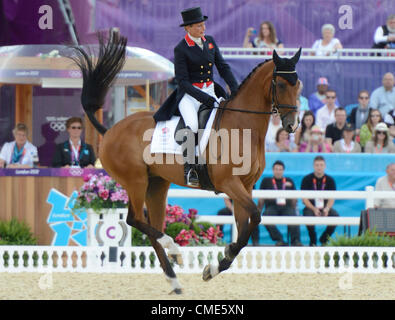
{"points": [[108, 228]]}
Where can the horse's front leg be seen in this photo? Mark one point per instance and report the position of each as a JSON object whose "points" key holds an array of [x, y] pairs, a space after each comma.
{"points": [[247, 218]]}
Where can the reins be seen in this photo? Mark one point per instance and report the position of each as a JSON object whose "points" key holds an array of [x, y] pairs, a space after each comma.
{"points": [[275, 105]]}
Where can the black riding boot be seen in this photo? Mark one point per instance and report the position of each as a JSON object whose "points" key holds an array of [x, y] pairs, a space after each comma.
{"points": [[190, 172]]}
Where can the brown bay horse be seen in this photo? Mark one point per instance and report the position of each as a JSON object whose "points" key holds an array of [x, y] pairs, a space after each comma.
{"points": [[271, 87]]}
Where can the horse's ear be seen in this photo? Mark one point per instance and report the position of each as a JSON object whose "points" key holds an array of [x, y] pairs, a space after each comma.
{"points": [[296, 57], [276, 58]]}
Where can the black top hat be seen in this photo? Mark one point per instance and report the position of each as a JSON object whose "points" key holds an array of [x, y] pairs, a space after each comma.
{"points": [[191, 16]]}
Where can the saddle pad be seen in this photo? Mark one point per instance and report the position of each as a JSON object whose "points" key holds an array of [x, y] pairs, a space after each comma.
{"points": [[163, 138]]}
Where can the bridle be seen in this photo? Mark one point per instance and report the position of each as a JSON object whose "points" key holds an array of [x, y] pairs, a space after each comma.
{"points": [[275, 105]]}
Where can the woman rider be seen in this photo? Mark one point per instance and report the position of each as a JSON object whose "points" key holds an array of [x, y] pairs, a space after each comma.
{"points": [[194, 58]]}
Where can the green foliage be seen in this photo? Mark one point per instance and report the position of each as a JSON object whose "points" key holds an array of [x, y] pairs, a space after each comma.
{"points": [[139, 239], [184, 230], [367, 239], [175, 228], [201, 226], [15, 232]]}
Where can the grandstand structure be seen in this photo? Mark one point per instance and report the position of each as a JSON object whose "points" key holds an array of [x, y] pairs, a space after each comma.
{"points": [[153, 25]]}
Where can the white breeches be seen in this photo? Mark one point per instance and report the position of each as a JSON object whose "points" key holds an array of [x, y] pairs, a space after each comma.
{"points": [[189, 107]]}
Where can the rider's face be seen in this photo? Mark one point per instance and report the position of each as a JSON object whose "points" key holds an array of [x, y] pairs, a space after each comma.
{"points": [[196, 30]]}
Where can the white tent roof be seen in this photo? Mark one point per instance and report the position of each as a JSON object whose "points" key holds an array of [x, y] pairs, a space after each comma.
{"points": [[48, 66]]}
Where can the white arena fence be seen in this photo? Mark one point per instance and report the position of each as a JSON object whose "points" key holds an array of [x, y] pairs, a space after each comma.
{"points": [[44, 259], [369, 195], [50, 259], [307, 54]]}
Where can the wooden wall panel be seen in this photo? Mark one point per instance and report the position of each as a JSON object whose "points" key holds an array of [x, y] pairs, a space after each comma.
{"points": [[24, 106], [25, 198]]}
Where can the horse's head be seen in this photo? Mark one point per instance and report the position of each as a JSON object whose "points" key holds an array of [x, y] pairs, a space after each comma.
{"points": [[284, 88]]}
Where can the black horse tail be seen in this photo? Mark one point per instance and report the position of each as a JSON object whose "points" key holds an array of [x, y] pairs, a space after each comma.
{"points": [[98, 76]]}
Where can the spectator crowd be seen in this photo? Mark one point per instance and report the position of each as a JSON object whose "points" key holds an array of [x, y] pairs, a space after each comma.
{"points": [[326, 126], [367, 126]]}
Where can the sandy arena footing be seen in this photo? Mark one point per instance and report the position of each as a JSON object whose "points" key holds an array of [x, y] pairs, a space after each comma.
{"points": [[87, 286]]}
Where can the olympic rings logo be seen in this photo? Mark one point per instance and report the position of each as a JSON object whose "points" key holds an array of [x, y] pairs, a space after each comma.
{"points": [[57, 125], [75, 74], [76, 171]]}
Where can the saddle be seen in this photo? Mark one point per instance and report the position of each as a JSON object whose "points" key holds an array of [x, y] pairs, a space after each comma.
{"points": [[199, 164]]}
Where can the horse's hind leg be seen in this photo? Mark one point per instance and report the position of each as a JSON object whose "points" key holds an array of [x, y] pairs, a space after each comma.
{"points": [[156, 204], [135, 218]]}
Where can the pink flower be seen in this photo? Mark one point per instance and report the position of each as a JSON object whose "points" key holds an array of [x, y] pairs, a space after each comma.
{"points": [[87, 177], [104, 194], [212, 234], [192, 213], [184, 237]]}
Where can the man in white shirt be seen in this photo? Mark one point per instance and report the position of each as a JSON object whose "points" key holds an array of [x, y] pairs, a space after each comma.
{"points": [[384, 36], [383, 98], [326, 114], [386, 183]]}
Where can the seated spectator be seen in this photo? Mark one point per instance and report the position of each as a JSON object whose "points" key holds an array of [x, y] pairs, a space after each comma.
{"points": [[346, 144], [381, 142], [359, 114], [316, 142], [366, 132], [267, 37], [274, 126], [334, 131], [328, 45], [317, 99], [301, 102], [303, 132], [383, 98], [326, 114], [282, 143], [74, 152], [386, 183], [391, 131], [389, 120], [19, 153], [319, 207], [279, 206], [384, 36]]}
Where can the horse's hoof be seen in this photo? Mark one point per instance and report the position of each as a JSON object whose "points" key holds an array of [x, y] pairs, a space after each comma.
{"points": [[207, 273], [176, 291], [177, 258]]}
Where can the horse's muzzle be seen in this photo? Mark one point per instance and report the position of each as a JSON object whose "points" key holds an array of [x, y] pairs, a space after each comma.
{"points": [[291, 127]]}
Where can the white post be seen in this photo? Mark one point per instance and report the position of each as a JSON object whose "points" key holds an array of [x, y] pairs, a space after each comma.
{"points": [[369, 197]]}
